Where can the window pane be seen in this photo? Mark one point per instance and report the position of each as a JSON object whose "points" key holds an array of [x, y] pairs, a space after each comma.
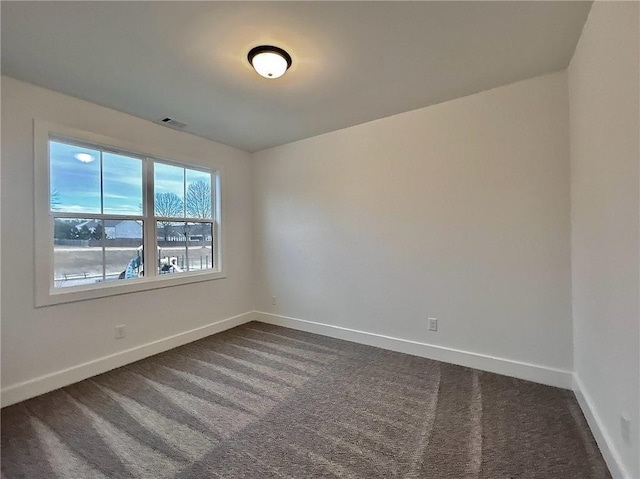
{"points": [[121, 184], [123, 249], [198, 194], [172, 250], [199, 248], [77, 252], [168, 190], [74, 178]]}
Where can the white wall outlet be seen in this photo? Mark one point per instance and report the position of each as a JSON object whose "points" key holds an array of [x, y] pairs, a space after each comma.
{"points": [[625, 428], [433, 324], [274, 301], [120, 331]]}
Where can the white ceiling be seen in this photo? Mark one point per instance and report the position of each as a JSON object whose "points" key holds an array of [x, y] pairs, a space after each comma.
{"points": [[352, 61]]}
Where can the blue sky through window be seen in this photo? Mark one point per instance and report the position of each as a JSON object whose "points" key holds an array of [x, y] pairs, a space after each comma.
{"points": [[75, 181], [169, 179], [195, 175], [122, 184]]}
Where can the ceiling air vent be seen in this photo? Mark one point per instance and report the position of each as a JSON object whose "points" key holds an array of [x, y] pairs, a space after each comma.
{"points": [[171, 123]]}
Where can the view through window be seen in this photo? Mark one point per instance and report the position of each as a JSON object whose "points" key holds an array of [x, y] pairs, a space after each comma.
{"points": [[102, 216]]}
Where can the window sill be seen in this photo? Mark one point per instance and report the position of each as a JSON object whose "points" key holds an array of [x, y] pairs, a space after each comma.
{"points": [[115, 288]]}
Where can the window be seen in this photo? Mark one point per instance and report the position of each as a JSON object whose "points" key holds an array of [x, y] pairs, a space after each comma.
{"points": [[183, 208], [117, 219]]}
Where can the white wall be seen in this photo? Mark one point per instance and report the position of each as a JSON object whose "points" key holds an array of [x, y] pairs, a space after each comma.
{"points": [[458, 211], [605, 151], [37, 342]]}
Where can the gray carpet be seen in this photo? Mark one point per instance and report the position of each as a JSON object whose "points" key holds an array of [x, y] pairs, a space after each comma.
{"points": [[261, 401]]}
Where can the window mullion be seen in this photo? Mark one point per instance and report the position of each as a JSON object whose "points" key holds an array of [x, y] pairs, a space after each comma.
{"points": [[150, 228], [102, 222], [104, 252], [59, 214], [215, 216], [186, 244], [183, 220]]}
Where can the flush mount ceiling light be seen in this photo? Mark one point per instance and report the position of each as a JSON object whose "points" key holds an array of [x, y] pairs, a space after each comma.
{"points": [[269, 61]]}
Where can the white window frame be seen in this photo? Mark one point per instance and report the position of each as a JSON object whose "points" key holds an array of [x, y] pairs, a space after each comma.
{"points": [[45, 292]]}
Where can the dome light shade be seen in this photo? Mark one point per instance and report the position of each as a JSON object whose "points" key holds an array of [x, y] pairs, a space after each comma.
{"points": [[269, 61]]}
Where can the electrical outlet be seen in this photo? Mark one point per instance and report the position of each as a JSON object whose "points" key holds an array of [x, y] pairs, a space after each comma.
{"points": [[120, 332], [625, 428], [274, 301], [433, 324]]}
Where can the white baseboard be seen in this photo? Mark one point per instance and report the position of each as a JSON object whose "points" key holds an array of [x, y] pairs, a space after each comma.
{"points": [[40, 385], [530, 372], [599, 431]]}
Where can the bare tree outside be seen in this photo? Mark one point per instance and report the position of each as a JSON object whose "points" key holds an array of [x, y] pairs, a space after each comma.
{"points": [[55, 201], [199, 200], [168, 205]]}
